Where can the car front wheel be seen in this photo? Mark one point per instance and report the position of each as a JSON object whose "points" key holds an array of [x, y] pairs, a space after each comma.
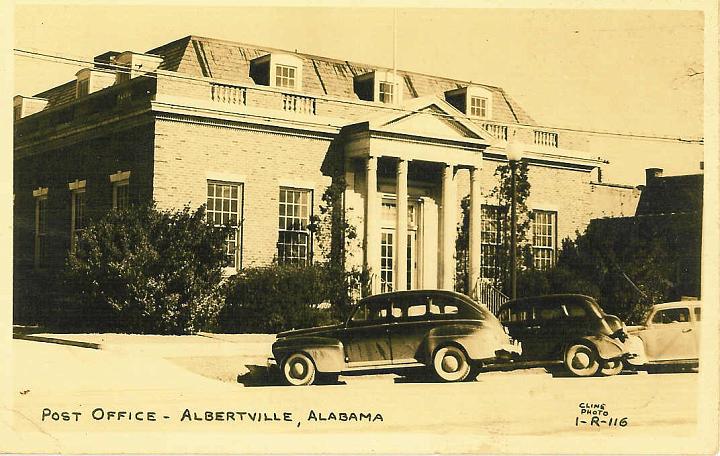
{"points": [[298, 370], [450, 364], [610, 368], [581, 360]]}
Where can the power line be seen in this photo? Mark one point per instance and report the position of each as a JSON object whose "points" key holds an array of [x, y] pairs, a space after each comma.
{"points": [[83, 63]]}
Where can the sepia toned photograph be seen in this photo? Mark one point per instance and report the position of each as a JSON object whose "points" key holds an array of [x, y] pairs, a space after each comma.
{"points": [[352, 229]]}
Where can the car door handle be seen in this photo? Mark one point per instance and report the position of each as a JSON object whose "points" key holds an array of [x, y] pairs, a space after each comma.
{"points": [[534, 327], [687, 330]]}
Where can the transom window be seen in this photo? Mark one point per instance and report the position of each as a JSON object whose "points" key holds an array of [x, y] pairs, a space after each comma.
{"points": [[294, 241], [478, 106], [544, 239], [285, 76], [386, 92], [40, 229], [224, 208]]}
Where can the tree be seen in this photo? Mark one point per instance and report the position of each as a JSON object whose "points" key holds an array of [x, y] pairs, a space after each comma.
{"points": [[627, 264], [149, 271], [336, 239], [501, 195]]}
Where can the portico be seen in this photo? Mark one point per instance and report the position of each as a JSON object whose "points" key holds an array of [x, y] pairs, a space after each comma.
{"points": [[404, 169]]}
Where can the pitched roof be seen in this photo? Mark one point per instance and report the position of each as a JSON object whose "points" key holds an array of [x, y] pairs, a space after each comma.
{"points": [[672, 195], [207, 57]]}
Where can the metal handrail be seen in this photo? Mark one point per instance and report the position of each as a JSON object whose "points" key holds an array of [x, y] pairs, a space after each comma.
{"points": [[487, 294]]}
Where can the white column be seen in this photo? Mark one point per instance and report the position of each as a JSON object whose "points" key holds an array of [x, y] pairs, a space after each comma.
{"points": [[449, 228], [475, 222], [372, 224], [401, 231]]}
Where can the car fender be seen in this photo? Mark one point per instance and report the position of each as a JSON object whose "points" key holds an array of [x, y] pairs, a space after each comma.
{"points": [[607, 347], [326, 352], [478, 342], [636, 347]]}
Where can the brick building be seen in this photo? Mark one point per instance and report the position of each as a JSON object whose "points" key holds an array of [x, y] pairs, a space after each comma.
{"points": [[258, 134]]}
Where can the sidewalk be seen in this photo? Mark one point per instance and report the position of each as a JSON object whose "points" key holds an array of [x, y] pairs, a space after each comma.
{"points": [[221, 357]]}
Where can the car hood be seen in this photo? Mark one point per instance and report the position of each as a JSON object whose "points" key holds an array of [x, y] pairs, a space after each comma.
{"points": [[309, 331]]}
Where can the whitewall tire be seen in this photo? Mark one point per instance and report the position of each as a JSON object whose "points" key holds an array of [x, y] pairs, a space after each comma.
{"points": [[299, 370], [451, 364]]}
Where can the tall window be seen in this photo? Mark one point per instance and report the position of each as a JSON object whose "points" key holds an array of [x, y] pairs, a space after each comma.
{"points": [[121, 190], [490, 241], [285, 76], [294, 242], [40, 226], [544, 227], [478, 106], [77, 215], [386, 261], [386, 92], [224, 208], [121, 195]]}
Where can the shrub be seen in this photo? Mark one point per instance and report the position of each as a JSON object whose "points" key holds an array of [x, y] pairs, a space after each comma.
{"points": [[149, 271], [277, 298]]}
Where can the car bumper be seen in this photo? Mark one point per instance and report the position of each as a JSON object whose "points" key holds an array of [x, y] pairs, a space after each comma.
{"points": [[636, 351], [507, 352]]}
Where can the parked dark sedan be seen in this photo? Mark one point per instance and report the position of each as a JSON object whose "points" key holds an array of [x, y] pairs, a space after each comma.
{"points": [[445, 332], [571, 329]]}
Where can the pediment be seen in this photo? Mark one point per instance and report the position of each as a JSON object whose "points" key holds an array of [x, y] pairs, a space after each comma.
{"points": [[430, 118]]}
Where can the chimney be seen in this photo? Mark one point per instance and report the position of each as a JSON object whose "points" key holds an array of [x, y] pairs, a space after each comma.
{"points": [[652, 174]]}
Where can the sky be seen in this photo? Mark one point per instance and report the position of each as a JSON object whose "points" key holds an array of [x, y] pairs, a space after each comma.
{"points": [[626, 71]]}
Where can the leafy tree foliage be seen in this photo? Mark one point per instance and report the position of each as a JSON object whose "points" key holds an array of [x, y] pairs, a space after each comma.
{"points": [[149, 271], [628, 264], [277, 298]]}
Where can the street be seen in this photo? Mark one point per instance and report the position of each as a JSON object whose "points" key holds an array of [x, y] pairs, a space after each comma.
{"points": [[66, 399]]}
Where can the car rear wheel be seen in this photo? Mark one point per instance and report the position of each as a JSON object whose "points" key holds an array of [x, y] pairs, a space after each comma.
{"points": [[298, 370], [581, 360], [612, 367], [450, 364]]}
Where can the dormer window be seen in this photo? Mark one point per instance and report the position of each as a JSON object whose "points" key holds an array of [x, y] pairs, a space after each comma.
{"points": [[26, 106], [135, 64], [285, 76], [82, 88], [277, 70], [90, 80], [478, 107], [474, 101], [379, 86], [386, 92]]}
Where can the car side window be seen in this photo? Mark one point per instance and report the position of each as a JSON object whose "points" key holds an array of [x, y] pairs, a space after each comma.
{"points": [[575, 310], [680, 315], [376, 311], [440, 306], [697, 313], [551, 313], [409, 308]]}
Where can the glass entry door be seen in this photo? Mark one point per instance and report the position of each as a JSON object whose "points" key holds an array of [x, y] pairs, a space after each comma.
{"points": [[387, 260]]}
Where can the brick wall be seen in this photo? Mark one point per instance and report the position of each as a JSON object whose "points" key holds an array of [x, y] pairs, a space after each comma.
{"points": [[187, 155], [92, 159]]}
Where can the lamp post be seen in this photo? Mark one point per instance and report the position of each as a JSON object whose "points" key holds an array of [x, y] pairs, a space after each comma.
{"points": [[513, 152]]}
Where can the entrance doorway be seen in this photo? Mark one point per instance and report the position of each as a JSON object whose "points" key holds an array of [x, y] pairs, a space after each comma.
{"points": [[387, 246]]}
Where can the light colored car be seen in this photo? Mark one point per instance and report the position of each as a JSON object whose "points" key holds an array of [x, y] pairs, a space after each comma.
{"points": [[441, 331], [670, 335]]}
